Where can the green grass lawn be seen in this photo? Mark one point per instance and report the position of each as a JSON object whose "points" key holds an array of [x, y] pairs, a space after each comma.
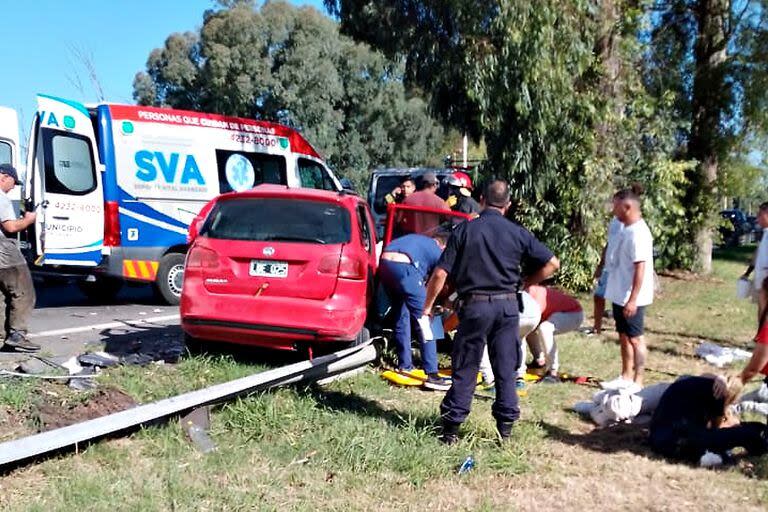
{"points": [[360, 444]]}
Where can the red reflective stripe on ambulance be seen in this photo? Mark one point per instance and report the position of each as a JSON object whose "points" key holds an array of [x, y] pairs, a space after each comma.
{"points": [[198, 119]]}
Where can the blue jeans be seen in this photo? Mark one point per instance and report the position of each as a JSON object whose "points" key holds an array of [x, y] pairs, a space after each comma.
{"points": [[407, 292]]}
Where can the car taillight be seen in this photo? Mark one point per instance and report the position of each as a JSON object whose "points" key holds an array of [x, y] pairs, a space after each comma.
{"points": [[329, 264], [200, 257], [351, 268], [111, 224]]}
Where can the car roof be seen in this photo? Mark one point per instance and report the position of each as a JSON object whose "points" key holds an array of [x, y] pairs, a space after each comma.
{"points": [[409, 171], [286, 192]]}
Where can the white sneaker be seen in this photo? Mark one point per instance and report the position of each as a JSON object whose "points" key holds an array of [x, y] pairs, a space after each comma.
{"points": [[632, 389], [617, 383]]}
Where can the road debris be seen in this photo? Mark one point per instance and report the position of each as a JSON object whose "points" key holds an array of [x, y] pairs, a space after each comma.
{"points": [[19, 450]]}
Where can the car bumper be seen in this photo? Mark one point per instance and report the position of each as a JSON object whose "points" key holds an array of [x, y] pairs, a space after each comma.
{"points": [[282, 323]]}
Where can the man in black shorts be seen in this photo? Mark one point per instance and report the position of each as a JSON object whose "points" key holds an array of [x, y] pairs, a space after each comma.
{"points": [[630, 288]]}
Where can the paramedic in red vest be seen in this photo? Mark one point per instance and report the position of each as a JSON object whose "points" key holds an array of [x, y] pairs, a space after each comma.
{"points": [[419, 222], [18, 292]]}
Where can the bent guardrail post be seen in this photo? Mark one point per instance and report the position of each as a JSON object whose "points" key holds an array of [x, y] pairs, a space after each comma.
{"points": [[16, 451]]}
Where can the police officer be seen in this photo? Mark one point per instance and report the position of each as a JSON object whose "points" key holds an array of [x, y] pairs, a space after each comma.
{"points": [[483, 257]]}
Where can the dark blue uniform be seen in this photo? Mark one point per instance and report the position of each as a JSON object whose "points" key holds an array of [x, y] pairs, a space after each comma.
{"points": [[405, 284], [483, 257]]}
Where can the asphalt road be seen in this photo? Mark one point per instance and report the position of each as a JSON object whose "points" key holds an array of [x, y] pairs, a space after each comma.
{"points": [[66, 323]]}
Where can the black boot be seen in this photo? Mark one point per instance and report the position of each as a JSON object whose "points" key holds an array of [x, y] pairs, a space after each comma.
{"points": [[450, 433], [505, 429]]}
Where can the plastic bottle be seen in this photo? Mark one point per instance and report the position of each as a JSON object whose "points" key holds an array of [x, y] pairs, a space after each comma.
{"points": [[467, 465]]}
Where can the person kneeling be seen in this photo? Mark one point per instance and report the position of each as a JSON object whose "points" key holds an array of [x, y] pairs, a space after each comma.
{"points": [[691, 420]]}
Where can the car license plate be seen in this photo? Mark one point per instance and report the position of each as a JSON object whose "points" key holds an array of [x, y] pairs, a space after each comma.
{"points": [[266, 268]]}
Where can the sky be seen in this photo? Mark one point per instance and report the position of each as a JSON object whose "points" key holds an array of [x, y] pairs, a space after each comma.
{"points": [[42, 38]]}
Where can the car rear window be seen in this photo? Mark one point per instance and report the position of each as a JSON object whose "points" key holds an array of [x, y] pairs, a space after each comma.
{"points": [[289, 220]]}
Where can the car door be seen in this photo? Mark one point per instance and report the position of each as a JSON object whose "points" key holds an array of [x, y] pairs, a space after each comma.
{"points": [[66, 184]]}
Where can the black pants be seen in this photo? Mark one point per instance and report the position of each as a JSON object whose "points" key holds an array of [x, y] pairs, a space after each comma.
{"points": [[18, 299], [689, 443], [497, 322]]}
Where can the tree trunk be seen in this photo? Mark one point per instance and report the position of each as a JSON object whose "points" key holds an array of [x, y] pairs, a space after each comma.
{"points": [[709, 100]]}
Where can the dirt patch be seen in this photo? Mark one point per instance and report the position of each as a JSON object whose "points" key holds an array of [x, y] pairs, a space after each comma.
{"points": [[12, 424], [101, 403]]}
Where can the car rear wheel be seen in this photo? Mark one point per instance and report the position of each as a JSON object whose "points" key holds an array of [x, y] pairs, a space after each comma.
{"points": [[170, 276], [103, 289]]}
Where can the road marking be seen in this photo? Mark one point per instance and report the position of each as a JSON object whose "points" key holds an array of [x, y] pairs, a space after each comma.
{"points": [[110, 325]]}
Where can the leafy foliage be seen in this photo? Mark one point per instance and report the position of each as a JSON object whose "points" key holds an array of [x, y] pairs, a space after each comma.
{"points": [[290, 65], [575, 99]]}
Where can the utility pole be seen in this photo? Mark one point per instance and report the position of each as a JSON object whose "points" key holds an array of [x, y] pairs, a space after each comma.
{"points": [[464, 151]]}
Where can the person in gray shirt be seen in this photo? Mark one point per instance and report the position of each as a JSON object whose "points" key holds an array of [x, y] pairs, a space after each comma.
{"points": [[16, 289]]}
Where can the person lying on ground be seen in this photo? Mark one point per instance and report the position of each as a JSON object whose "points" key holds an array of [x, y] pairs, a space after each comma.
{"points": [[691, 419]]}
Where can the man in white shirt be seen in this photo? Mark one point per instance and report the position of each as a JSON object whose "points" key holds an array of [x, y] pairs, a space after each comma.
{"points": [[760, 262], [630, 288], [601, 274]]}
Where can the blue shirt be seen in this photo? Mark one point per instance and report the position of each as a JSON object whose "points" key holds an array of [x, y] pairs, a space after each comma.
{"points": [[484, 255], [423, 251]]}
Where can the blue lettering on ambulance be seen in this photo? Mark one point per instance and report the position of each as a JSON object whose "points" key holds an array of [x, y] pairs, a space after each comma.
{"points": [[146, 171], [52, 120], [148, 163], [168, 168], [191, 172]]}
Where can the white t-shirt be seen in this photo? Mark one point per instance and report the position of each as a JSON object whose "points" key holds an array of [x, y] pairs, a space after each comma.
{"points": [[761, 261], [634, 244], [614, 230]]}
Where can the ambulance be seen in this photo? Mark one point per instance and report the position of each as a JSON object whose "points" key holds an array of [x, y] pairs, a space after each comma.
{"points": [[10, 147], [116, 186]]}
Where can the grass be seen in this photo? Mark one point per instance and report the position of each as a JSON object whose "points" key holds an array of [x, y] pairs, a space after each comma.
{"points": [[360, 444]]}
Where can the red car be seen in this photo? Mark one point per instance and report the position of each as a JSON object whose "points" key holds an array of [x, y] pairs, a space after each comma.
{"points": [[280, 267]]}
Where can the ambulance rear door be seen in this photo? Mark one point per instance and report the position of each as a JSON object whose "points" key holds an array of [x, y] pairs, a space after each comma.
{"points": [[66, 184], [9, 146]]}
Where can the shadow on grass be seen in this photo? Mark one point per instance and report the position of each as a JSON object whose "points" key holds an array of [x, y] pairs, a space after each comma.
{"points": [[353, 403], [728, 342], [738, 254], [612, 439]]}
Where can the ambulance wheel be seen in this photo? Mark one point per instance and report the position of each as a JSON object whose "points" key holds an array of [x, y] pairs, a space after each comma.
{"points": [[103, 289], [170, 275]]}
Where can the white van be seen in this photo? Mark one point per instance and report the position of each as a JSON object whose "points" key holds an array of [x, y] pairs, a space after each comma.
{"points": [[116, 186], [10, 147]]}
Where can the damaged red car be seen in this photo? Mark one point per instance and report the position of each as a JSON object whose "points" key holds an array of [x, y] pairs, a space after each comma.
{"points": [[281, 268]]}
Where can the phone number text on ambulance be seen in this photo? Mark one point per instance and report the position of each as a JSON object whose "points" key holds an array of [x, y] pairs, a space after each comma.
{"points": [[246, 138]]}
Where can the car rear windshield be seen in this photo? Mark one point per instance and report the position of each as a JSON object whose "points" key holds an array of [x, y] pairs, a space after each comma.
{"points": [[288, 220]]}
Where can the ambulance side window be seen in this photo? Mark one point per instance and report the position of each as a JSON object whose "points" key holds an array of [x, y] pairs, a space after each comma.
{"points": [[69, 166], [314, 175], [241, 170], [5, 153]]}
